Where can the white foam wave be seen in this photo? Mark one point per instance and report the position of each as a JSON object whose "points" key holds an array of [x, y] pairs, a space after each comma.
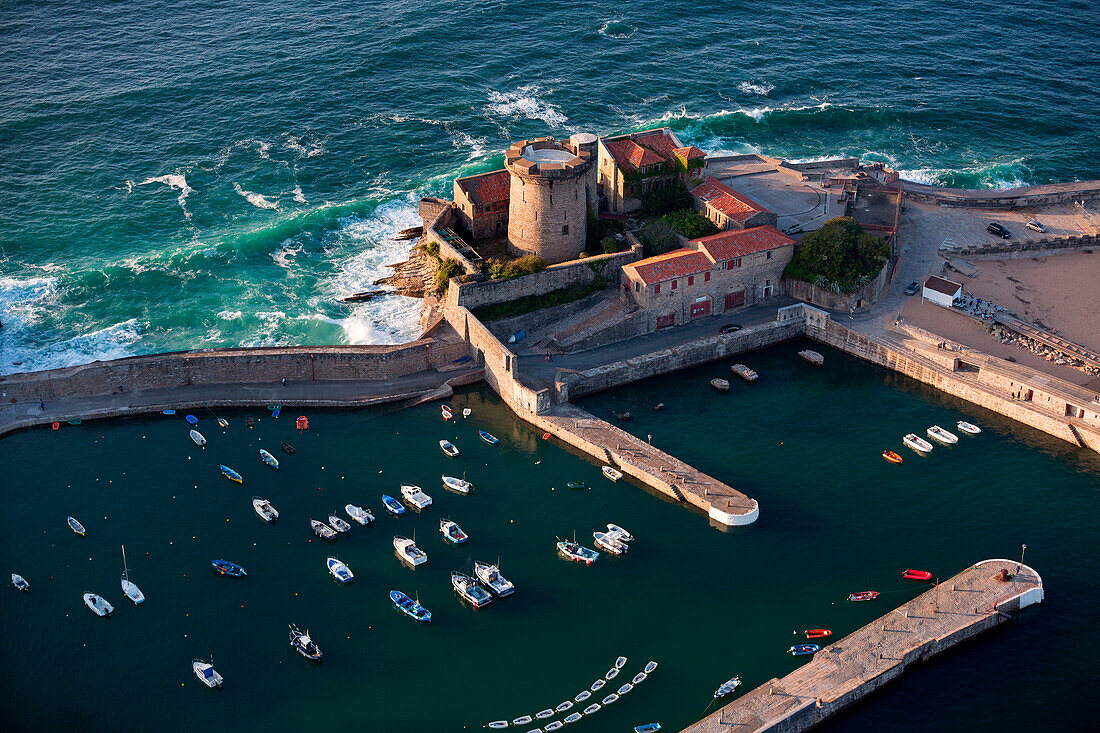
{"points": [[228, 315], [256, 199], [284, 256], [526, 102], [761, 88], [175, 181], [617, 28], [299, 197], [310, 149]]}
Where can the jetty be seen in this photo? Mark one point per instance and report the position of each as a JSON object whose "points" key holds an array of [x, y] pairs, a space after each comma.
{"points": [[979, 598]]}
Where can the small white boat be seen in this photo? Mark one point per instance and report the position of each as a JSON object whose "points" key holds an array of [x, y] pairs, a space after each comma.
{"points": [[611, 674], [468, 588], [612, 473], [322, 530], [457, 484], [812, 357], [498, 724], [562, 707], [625, 537], [610, 543], [593, 708], [491, 577], [359, 514], [620, 662], [553, 725], [543, 714], [650, 666], [966, 427], [338, 524], [75, 526], [744, 372], [129, 588], [264, 509], [198, 438], [610, 699], [466, 412], [269, 459], [727, 687], [625, 689], [415, 496], [19, 583], [721, 385], [339, 570], [452, 532], [639, 678], [942, 435], [595, 687], [98, 604], [917, 443], [206, 673], [448, 448], [572, 717], [583, 695], [408, 550]]}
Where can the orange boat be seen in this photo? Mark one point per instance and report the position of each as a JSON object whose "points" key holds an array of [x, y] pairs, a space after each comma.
{"points": [[817, 633], [917, 575], [303, 422], [891, 456]]}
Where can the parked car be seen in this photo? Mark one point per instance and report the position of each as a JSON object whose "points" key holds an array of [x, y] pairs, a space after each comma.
{"points": [[730, 328], [999, 230], [1034, 226], [912, 288]]}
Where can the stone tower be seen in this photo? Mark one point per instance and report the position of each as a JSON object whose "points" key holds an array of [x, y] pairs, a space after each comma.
{"points": [[548, 197]]}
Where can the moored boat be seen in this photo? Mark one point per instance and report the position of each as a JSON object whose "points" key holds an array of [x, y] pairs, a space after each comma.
{"points": [[167, 412], [624, 689], [191, 419], [223, 423], [448, 413], [339, 570], [801, 650], [577, 553], [393, 506], [456, 484], [264, 509], [611, 674], [610, 543], [592, 709], [572, 717], [583, 695], [466, 412], [650, 666], [268, 459], [544, 714], [338, 524], [488, 437], [722, 385], [98, 604], [228, 569], [19, 583], [409, 607], [817, 633], [129, 588], [598, 685], [415, 496], [452, 532], [942, 435], [613, 697], [522, 720], [322, 530], [553, 725], [576, 485], [863, 595], [408, 550], [232, 475], [891, 456], [744, 372], [359, 514], [287, 448], [302, 423], [304, 645], [562, 707], [812, 357], [75, 526], [639, 678], [612, 473], [448, 448], [966, 427], [469, 589], [647, 728], [206, 673], [498, 724], [917, 575], [197, 438], [620, 662], [917, 443], [727, 687]]}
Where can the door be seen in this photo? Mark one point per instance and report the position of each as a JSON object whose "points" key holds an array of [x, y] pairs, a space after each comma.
{"points": [[700, 307], [666, 321], [735, 300]]}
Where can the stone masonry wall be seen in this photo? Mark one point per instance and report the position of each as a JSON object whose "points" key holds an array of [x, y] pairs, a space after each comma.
{"points": [[825, 298], [1031, 248]]}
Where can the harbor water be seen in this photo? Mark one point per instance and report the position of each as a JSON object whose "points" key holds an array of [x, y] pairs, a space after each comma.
{"points": [[705, 604]]}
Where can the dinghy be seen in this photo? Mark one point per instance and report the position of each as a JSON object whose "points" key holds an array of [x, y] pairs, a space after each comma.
{"points": [[468, 588], [167, 412], [322, 530], [863, 595], [232, 475], [554, 725], [466, 412], [393, 506], [613, 697], [917, 443], [452, 532], [612, 473], [206, 673], [498, 724], [620, 662], [647, 728], [359, 514], [338, 524], [593, 708], [582, 696], [727, 687], [98, 604], [339, 570], [19, 583], [276, 412], [817, 633], [408, 551], [197, 438], [522, 720], [75, 526], [287, 448], [191, 420], [447, 412], [598, 685], [562, 707], [488, 437], [448, 448], [264, 509], [544, 714], [302, 423], [305, 645], [572, 717], [802, 650], [891, 456], [415, 496], [577, 553], [624, 689], [611, 674], [269, 459], [622, 535], [130, 588], [610, 543], [223, 423], [412, 609], [942, 435], [922, 575], [639, 678], [966, 427], [228, 569], [650, 667], [744, 372], [457, 484], [576, 485]]}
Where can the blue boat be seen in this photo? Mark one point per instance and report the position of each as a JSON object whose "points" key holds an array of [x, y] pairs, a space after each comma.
{"points": [[488, 437], [232, 475], [275, 412], [229, 569], [393, 506], [167, 412], [647, 728], [191, 420], [339, 570], [409, 607], [801, 650]]}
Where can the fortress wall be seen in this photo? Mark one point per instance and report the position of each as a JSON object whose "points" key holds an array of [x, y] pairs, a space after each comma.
{"points": [[1031, 248], [1012, 198]]}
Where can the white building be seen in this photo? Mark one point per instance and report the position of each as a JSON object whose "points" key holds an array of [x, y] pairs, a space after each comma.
{"points": [[941, 292]]}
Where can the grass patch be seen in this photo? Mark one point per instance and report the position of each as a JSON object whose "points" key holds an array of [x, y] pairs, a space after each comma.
{"points": [[531, 303]]}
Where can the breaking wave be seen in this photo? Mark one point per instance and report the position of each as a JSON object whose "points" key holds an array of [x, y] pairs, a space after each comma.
{"points": [[175, 181], [618, 29], [256, 199], [762, 88], [526, 102]]}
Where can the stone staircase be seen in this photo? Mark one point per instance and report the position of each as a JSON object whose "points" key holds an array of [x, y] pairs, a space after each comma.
{"points": [[603, 316]]}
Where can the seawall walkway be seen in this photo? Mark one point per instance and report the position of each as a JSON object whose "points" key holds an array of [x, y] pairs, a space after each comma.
{"points": [[844, 672]]}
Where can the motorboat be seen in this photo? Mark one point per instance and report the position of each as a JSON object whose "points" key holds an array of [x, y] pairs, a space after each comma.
{"points": [[19, 583], [817, 633], [223, 423], [613, 697], [863, 595], [922, 575], [393, 506], [942, 435], [232, 475], [650, 666], [269, 459], [456, 484], [415, 496], [206, 673], [802, 650], [577, 553], [448, 448], [562, 707], [264, 509], [322, 530], [647, 728], [197, 438], [338, 524], [287, 448], [468, 588], [592, 709], [612, 473], [611, 674], [544, 714], [409, 607], [891, 456], [598, 685], [727, 687], [610, 543], [622, 533], [917, 443], [452, 532], [191, 419], [408, 550], [624, 689], [620, 662], [98, 604], [488, 437], [722, 385], [305, 645], [744, 372], [359, 514], [639, 678], [75, 526], [339, 570], [491, 577], [228, 569], [966, 427], [129, 588]]}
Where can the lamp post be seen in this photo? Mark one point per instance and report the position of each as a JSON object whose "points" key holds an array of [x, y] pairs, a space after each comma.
{"points": [[1023, 549]]}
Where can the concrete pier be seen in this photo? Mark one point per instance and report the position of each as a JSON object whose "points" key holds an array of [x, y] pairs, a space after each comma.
{"points": [[844, 672]]}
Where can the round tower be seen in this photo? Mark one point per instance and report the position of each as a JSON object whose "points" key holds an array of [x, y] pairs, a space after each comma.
{"points": [[548, 198], [585, 142]]}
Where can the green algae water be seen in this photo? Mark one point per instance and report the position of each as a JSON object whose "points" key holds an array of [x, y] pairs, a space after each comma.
{"points": [[706, 604]]}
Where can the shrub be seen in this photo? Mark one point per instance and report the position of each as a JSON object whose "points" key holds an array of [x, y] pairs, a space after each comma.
{"points": [[690, 224], [447, 269], [674, 197], [839, 255], [657, 237], [610, 245]]}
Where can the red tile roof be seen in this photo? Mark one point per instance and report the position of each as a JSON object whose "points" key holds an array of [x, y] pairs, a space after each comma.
{"points": [[689, 153], [742, 242], [486, 188], [642, 149], [723, 198], [669, 266]]}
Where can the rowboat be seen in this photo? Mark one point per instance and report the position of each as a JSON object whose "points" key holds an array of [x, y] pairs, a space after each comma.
{"points": [[287, 448], [457, 484], [468, 588], [812, 357], [448, 448], [448, 413], [305, 645], [268, 459], [639, 678], [466, 412], [553, 725], [801, 650], [359, 514], [223, 423], [338, 524], [191, 420], [228, 569], [721, 385], [543, 714], [891, 456], [966, 427], [415, 496], [408, 551], [917, 575], [98, 604], [620, 662], [498, 724], [322, 530], [624, 536], [612, 473], [863, 595], [576, 485], [19, 583], [198, 438], [488, 437], [942, 435], [917, 443], [612, 698], [650, 667], [592, 709], [393, 506], [411, 608], [206, 673], [339, 570], [744, 372], [647, 728], [522, 720], [452, 532], [598, 684], [264, 509], [611, 674], [727, 687], [232, 475], [817, 633], [75, 526], [562, 707]]}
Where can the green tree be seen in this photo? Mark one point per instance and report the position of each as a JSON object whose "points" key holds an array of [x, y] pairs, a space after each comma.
{"points": [[839, 255], [690, 224], [674, 197], [657, 237]]}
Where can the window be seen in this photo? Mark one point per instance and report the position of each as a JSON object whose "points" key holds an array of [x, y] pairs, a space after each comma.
{"points": [[657, 289], [551, 199], [637, 287], [731, 264], [565, 230], [706, 277], [674, 283], [691, 279], [536, 214], [769, 254]]}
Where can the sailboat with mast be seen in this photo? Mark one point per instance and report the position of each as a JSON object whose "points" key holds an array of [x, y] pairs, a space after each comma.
{"points": [[128, 586]]}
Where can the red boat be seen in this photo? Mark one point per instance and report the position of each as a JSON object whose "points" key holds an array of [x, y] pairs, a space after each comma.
{"points": [[863, 595], [302, 423], [817, 633], [917, 575], [891, 456]]}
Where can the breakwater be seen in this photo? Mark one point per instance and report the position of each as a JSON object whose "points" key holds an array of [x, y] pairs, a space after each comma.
{"points": [[979, 598]]}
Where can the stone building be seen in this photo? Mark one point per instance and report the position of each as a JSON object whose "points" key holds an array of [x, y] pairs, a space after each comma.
{"points": [[729, 209], [631, 166], [712, 275], [482, 202], [548, 196]]}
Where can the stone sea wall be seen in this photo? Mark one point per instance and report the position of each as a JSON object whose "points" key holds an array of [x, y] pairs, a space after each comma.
{"points": [[1028, 249]]}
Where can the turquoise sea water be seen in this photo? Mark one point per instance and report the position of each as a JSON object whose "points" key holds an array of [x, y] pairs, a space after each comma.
{"points": [[705, 604], [177, 175]]}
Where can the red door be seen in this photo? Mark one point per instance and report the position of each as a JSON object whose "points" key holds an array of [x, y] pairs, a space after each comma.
{"points": [[735, 300], [666, 321], [700, 308]]}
